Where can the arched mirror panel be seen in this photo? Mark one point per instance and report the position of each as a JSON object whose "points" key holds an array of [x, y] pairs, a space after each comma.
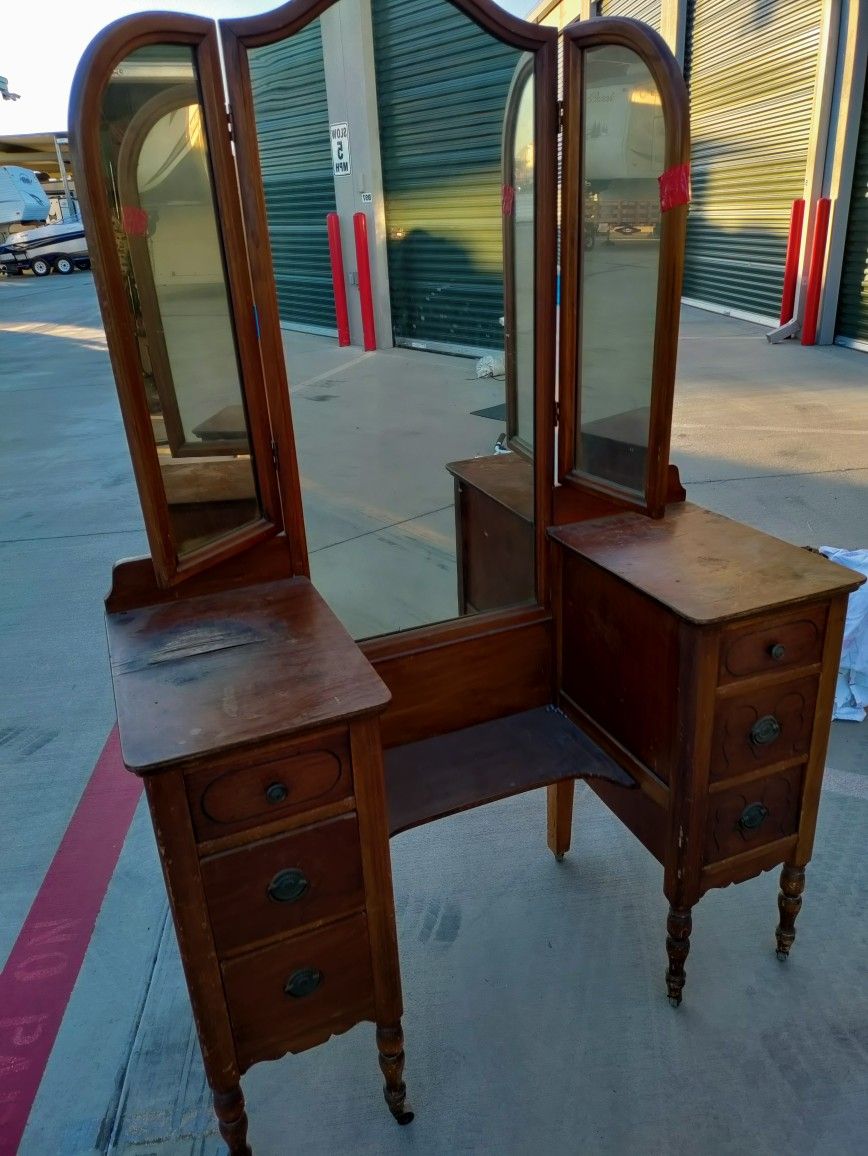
{"points": [[393, 193], [189, 381], [625, 194]]}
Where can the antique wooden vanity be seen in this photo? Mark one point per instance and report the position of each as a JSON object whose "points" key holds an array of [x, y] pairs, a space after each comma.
{"points": [[513, 619]]}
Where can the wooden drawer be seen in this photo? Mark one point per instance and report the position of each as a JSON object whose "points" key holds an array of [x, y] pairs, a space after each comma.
{"points": [[757, 813], [788, 641], [762, 727], [296, 993], [317, 772], [278, 885]]}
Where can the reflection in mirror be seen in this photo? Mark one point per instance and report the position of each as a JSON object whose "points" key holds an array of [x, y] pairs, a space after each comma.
{"points": [[623, 156], [156, 165], [415, 509], [518, 257]]}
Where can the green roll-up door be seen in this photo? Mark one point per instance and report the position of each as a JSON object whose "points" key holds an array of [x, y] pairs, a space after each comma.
{"points": [[751, 67], [648, 11], [852, 323], [292, 129], [442, 84]]}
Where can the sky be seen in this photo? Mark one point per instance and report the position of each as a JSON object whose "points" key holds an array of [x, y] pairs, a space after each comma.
{"points": [[41, 65]]}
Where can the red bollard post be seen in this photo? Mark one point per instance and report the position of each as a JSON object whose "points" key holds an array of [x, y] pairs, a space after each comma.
{"points": [[338, 281], [791, 269], [369, 332], [815, 274]]}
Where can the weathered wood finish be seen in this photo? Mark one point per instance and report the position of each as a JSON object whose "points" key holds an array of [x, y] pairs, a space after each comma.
{"points": [[440, 776], [702, 655], [449, 681], [265, 715], [260, 726]]}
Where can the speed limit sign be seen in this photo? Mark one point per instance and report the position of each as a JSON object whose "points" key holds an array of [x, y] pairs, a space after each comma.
{"points": [[340, 134]]}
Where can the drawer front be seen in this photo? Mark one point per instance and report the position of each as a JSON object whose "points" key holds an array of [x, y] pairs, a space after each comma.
{"points": [[763, 727], [278, 885], [317, 772], [293, 995], [790, 641], [751, 816]]}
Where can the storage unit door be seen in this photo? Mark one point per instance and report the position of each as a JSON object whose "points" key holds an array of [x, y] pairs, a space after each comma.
{"points": [[442, 84], [292, 130], [648, 11], [751, 66], [852, 323]]}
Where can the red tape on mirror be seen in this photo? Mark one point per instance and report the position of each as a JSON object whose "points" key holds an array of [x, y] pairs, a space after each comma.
{"points": [[674, 187]]}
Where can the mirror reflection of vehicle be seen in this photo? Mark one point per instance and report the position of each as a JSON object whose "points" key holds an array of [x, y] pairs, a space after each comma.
{"points": [[61, 248]]}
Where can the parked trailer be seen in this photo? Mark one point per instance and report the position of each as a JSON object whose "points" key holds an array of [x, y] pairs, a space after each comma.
{"points": [[61, 247]]}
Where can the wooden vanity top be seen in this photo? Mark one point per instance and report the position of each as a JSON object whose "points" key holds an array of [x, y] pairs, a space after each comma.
{"points": [[201, 675], [703, 566], [507, 478]]}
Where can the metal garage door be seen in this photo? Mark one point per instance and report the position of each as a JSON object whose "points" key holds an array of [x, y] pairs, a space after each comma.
{"points": [[645, 10], [852, 323], [292, 128], [751, 67], [442, 84]]}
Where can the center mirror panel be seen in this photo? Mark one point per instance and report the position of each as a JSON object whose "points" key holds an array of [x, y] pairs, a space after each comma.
{"points": [[413, 417]]}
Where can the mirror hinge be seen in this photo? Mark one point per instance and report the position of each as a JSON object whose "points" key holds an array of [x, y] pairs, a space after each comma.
{"points": [[229, 123], [560, 107], [274, 456], [557, 413]]}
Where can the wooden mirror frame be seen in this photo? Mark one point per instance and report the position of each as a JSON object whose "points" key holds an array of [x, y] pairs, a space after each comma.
{"points": [[239, 35], [650, 47], [274, 474]]}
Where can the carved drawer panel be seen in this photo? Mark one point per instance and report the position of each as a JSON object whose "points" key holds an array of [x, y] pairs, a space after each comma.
{"points": [[762, 727], [776, 644], [224, 801], [278, 885], [296, 993], [750, 816]]}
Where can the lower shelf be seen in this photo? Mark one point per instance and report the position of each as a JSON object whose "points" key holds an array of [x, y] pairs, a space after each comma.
{"points": [[440, 776]]}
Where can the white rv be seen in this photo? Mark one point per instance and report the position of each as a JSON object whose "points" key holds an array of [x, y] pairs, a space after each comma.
{"points": [[23, 201]]}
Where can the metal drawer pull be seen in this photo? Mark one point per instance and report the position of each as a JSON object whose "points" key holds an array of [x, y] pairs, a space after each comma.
{"points": [[303, 982], [276, 793], [778, 652], [753, 817], [288, 886], [765, 730]]}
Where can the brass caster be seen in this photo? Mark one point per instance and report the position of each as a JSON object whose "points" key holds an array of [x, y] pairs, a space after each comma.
{"points": [[404, 1117], [559, 856], [675, 1001], [782, 955]]}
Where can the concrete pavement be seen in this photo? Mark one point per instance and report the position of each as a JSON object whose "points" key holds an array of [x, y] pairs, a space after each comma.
{"points": [[536, 1015]]}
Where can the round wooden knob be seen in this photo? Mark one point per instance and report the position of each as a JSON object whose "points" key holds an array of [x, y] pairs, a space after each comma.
{"points": [[778, 652]]}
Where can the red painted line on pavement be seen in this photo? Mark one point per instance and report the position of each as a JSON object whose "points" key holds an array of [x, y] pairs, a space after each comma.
{"points": [[47, 956]]}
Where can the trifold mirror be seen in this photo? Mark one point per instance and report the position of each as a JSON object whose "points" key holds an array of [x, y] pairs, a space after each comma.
{"points": [[335, 314]]}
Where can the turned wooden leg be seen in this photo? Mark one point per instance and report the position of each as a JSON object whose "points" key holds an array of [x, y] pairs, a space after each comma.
{"points": [[390, 1045], [678, 928], [789, 905], [559, 806], [229, 1109]]}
